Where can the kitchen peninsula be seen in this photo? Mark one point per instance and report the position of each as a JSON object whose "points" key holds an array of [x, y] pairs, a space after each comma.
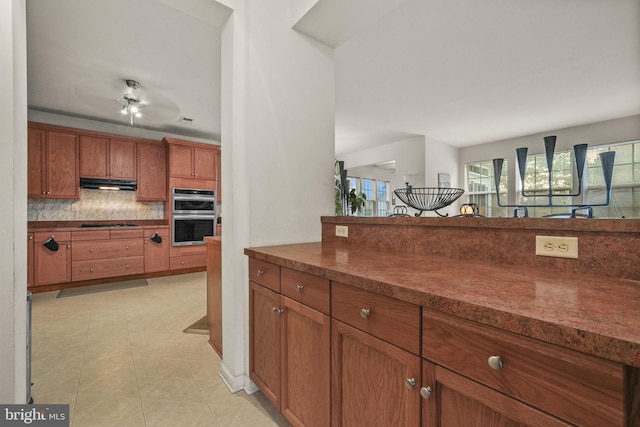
{"points": [[450, 313]]}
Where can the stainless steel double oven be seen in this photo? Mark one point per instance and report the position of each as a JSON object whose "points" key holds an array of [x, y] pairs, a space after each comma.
{"points": [[193, 216]]}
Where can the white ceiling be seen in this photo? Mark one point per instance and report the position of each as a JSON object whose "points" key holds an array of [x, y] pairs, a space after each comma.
{"points": [[463, 72]]}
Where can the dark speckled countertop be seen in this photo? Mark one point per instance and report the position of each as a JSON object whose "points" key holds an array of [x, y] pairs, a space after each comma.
{"points": [[595, 315]]}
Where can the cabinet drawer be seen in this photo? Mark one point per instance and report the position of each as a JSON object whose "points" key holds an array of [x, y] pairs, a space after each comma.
{"points": [[310, 290], [541, 374], [392, 320], [89, 250], [265, 274], [101, 268], [59, 236], [187, 261], [90, 235], [128, 233]]}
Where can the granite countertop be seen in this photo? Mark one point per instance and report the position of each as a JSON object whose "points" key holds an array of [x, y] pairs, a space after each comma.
{"points": [[594, 315], [76, 225]]}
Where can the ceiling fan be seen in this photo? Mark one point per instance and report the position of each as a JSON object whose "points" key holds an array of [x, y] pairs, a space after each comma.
{"points": [[135, 102], [131, 104]]}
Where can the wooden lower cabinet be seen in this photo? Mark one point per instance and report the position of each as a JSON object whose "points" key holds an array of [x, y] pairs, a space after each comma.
{"points": [[452, 400], [290, 356], [190, 256], [264, 341], [29, 259], [373, 383], [51, 266], [156, 254], [214, 293]]}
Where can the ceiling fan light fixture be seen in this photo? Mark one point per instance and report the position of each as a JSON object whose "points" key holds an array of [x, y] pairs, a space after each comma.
{"points": [[132, 104]]}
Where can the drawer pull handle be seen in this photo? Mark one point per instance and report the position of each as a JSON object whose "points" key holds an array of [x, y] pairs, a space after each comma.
{"points": [[410, 383], [299, 288], [277, 310], [259, 273], [425, 392], [495, 362], [365, 312]]}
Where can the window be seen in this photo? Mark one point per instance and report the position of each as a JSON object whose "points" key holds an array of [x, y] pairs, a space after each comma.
{"points": [[481, 188], [382, 198], [625, 192], [536, 183], [625, 188], [377, 193]]}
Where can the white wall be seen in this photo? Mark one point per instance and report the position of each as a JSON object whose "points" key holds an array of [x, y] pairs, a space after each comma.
{"points": [[607, 132], [420, 159], [13, 192], [277, 148]]}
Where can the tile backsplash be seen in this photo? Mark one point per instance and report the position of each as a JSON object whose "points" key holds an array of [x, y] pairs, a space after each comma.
{"points": [[94, 205]]}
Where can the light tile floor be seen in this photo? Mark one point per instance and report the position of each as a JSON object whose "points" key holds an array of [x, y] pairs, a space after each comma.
{"points": [[120, 358]]}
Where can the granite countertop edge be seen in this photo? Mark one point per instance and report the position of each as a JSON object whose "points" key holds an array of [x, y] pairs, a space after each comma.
{"points": [[603, 336], [35, 226]]}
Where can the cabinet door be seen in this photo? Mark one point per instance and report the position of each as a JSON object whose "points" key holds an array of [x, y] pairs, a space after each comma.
{"points": [[371, 381], [94, 157], [152, 172], [122, 160], [456, 401], [180, 161], [51, 266], [29, 259], [62, 166], [305, 365], [204, 160], [218, 175], [37, 163], [264, 341], [214, 294], [156, 255]]}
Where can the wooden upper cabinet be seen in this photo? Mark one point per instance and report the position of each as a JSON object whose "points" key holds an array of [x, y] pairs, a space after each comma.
{"points": [[152, 172], [107, 158], [122, 160], [192, 160], [204, 163], [219, 175], [52, 164]]}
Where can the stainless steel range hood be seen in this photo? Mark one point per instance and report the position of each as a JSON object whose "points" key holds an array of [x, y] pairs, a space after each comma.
{"points": [[108, 184]]}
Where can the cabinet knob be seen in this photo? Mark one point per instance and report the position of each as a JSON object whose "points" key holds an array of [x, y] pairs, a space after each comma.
{"points": [[90, 249], [182, 262], [495, 362], [44, 192], [30, 237], [68, 246], [299, 288], [126, 247], [425, 392], [365, 312], [259, 273], [410, 383], [48, 192], [91, 269], [127, 265], [146, 241]]}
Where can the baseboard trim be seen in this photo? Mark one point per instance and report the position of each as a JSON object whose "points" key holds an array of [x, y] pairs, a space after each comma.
{"points": [[233, 383]]}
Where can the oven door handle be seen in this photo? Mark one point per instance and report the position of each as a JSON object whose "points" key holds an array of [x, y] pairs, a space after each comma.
{"points": [[191, 216]]}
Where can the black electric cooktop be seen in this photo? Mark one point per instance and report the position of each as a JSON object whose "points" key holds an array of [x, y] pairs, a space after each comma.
{"points": [[109, 225]]}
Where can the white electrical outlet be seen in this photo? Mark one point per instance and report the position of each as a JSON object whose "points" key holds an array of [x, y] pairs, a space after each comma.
{"points": [[557, 246], [342, 231]]}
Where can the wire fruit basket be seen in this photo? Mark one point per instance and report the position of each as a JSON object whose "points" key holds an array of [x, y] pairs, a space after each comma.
{"points": [[428, 198]]}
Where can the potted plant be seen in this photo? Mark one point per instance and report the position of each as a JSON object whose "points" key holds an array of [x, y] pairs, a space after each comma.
{"points": [[356, 201]]}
